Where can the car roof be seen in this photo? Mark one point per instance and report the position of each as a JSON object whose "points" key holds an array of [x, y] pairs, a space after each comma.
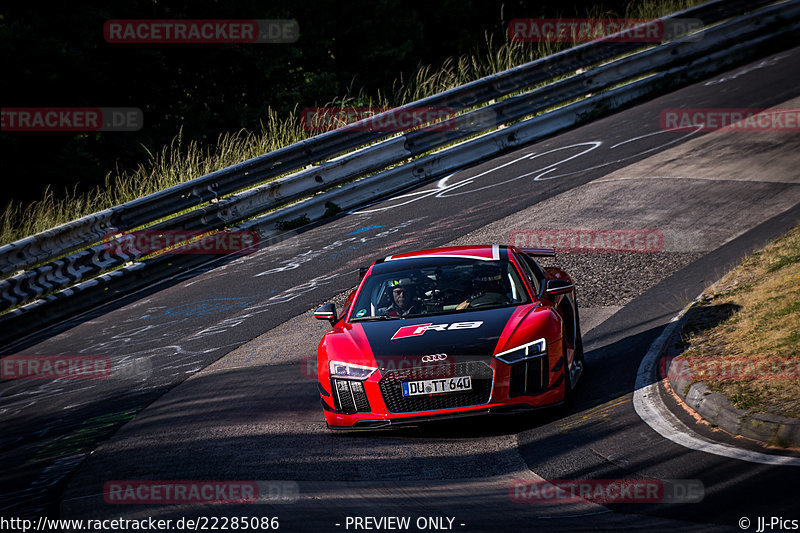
{"points": [[487, 253], [421, 258]]}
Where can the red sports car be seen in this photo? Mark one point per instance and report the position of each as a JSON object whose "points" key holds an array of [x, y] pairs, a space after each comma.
{"points": [[450, 332]]}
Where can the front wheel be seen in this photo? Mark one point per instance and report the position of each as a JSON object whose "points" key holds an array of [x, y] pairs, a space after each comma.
{"points": [[573, 375], [579, 363], [569, 391]]}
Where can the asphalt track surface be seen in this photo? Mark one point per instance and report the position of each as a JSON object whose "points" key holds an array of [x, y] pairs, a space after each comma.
{"points": [[212, 379]]}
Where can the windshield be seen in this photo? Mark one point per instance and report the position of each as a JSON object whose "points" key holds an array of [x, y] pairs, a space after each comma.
{"points": [[451, 286]]}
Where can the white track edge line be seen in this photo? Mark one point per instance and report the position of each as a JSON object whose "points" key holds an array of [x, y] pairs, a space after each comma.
{"points": [[651, 409]]}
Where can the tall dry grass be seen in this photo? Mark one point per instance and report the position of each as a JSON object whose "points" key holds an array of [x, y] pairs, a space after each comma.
{"points": [[184, 159]]}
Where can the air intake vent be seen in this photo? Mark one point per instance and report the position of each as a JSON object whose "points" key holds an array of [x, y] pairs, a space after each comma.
{"points": [[350, 396], [528, 377]]}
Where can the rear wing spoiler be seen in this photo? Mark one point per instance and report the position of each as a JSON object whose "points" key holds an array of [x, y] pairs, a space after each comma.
{"points": [[539, 252]]}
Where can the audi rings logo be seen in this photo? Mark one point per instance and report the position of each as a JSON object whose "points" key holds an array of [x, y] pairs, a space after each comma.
{"points": [[434, 357]]}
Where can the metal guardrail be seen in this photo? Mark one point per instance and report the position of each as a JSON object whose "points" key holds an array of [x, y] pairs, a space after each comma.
{"points": [[56, 242], [683, 58]]}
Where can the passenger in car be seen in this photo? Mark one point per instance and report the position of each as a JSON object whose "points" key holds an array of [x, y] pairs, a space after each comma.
{"points": [[488, 286]]}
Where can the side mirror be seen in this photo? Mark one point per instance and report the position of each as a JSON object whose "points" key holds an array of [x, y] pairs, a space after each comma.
{"points": [[326, 312], [558, 286]]}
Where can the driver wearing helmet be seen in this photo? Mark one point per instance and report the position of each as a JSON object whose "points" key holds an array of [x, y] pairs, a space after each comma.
{"points": [[402, 296]]}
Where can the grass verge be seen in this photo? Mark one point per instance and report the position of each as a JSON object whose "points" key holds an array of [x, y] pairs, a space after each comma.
{"points": [[743, 338]]}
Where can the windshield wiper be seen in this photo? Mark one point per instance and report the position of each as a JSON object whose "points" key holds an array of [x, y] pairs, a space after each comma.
{"points": [[370, 318]]}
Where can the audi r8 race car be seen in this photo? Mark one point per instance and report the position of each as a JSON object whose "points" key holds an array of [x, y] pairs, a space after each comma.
{"points": [[450, 332]]}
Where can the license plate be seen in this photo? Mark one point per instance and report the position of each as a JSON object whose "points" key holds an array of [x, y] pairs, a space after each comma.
{"points": [[437, 386]]}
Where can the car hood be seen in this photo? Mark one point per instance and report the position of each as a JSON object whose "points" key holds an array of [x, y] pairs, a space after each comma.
{"points": [[471, 335]]}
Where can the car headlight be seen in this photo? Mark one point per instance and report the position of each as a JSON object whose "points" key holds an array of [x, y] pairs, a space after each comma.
{"points": [[526, 351], [350, 371]]}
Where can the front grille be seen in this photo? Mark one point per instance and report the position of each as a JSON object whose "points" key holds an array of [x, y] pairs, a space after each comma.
{"points": [[349, 396], [392, 389], [528, 377]]}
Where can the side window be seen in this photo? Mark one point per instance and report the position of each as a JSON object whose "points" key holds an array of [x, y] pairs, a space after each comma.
{"points": [[537, 270], [530, 272]]}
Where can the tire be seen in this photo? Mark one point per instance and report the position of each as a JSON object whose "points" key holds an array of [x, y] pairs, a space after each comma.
{"points": [[579, 358], [569, 392]]}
